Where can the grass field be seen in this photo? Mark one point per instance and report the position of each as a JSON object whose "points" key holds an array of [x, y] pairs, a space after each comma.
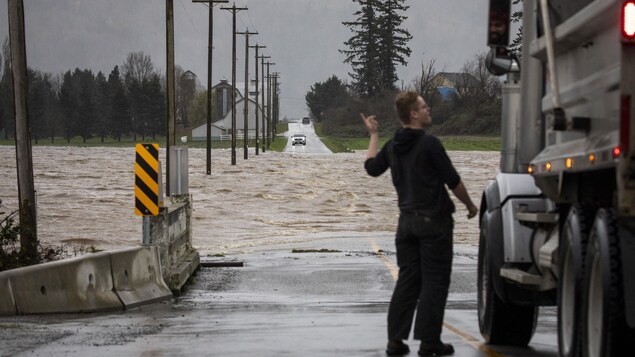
{"points": [[335, 144], [459, 143]]}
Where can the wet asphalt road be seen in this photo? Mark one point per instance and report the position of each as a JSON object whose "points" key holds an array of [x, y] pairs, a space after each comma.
{"points": [[288, 300]]}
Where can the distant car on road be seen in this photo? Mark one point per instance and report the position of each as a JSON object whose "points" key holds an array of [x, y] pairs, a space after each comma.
{"points": [[306, 120], [298, 139]]}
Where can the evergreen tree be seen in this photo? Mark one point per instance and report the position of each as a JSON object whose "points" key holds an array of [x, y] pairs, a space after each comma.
{"points": [[325, 95], [86, 119], [119, 108], [158, 106], [393, 40], [103, 106], [378, 44], [363, 51], [41, 102], [134, 93], [69, 101]]}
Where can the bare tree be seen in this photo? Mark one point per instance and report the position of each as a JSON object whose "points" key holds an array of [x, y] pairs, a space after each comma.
{"points": [[476, 85], [423, 83], [185, 89], [138, 65]]}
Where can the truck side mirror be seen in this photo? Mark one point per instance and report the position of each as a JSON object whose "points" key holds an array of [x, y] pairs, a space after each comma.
{"points": [[498, 63]]}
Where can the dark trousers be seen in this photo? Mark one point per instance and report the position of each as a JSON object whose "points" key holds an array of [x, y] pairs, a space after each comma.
{"points": [[424, 256]]}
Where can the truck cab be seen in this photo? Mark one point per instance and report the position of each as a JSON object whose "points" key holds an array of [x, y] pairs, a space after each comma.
{"points": [[558, 222]]}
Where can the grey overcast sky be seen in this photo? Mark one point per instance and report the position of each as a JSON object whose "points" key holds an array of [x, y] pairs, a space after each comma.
{"points": [[302, 37]]}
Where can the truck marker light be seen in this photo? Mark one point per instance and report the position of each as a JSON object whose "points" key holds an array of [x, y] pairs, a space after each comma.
{"points": [[628, 19], [530, 169], [568, 163], [592, 158], [548, 166], [616, 152]]}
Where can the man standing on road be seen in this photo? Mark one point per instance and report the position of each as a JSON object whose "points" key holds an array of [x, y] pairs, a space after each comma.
{"points": [[420, 169]]}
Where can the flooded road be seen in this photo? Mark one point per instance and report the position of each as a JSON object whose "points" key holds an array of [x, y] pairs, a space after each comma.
{"points": [[273, 212], [86, 197]]}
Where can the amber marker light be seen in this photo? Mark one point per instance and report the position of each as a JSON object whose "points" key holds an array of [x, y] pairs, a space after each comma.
{"points": [[530, 169], [568, 163], [616, 152], [592, 158], [548, 166]]}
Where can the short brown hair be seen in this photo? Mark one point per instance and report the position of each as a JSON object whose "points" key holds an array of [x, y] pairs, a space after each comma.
{"points": [[405, 102]]}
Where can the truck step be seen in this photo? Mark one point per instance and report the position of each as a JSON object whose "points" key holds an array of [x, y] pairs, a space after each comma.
{"points": [[537, 217], [521, 276]]}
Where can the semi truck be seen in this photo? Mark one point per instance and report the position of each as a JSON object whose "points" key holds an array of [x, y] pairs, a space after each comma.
{"points": [[557, 224]]}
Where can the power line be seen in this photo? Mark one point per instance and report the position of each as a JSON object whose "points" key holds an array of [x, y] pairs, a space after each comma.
{"points": [[189, 18]]}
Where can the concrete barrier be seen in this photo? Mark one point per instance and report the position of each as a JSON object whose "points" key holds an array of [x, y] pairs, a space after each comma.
{"points": [[171, 232], [137, 276], [81, 284], [7, 304], [109, 280]]}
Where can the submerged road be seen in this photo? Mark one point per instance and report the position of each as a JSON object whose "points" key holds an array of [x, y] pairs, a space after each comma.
{"points": [[326, 297], [313, 143]]}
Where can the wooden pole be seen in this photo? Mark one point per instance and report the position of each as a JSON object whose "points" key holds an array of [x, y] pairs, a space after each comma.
{"points": [[26, 187], [264, 113], [257, 46], [234, 10], [171, 115], [210, 50], [246, 98]]}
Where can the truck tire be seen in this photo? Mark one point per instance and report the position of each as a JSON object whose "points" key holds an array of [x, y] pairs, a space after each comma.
{"points": [[573, 241], [604, 331], [500, 322]]}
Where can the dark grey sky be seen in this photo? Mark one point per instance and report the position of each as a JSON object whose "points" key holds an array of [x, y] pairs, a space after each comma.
{"points": [[302, 37]]}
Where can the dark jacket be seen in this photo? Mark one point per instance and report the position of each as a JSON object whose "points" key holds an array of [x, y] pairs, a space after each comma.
{"points": [[420, 169]]}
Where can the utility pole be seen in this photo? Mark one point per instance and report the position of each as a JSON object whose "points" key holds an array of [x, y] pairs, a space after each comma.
{"points": [[24, 155], [276, 104], [209, 79], [269, 121], [171, 115], [257, 46], [234, 10], [264, 113], [246, 98]]}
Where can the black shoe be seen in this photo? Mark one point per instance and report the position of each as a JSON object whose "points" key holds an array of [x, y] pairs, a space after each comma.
{"points": [[397, 348], [441, 349]]}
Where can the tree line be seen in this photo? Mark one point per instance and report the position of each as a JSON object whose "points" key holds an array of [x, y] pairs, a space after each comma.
{"points": [[129, 102], [377, 46]]}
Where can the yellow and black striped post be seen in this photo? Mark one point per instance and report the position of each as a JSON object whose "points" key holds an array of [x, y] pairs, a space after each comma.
{"points": [[146, 186]]}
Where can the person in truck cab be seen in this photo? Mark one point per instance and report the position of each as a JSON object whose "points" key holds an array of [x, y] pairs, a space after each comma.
{"points": [[420, 170]]}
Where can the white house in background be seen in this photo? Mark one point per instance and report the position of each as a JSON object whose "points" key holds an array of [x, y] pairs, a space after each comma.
{"points": [[222, 125]]}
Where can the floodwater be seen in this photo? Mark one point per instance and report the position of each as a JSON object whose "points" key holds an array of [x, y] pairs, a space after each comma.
{"points": [[86, 197]]}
